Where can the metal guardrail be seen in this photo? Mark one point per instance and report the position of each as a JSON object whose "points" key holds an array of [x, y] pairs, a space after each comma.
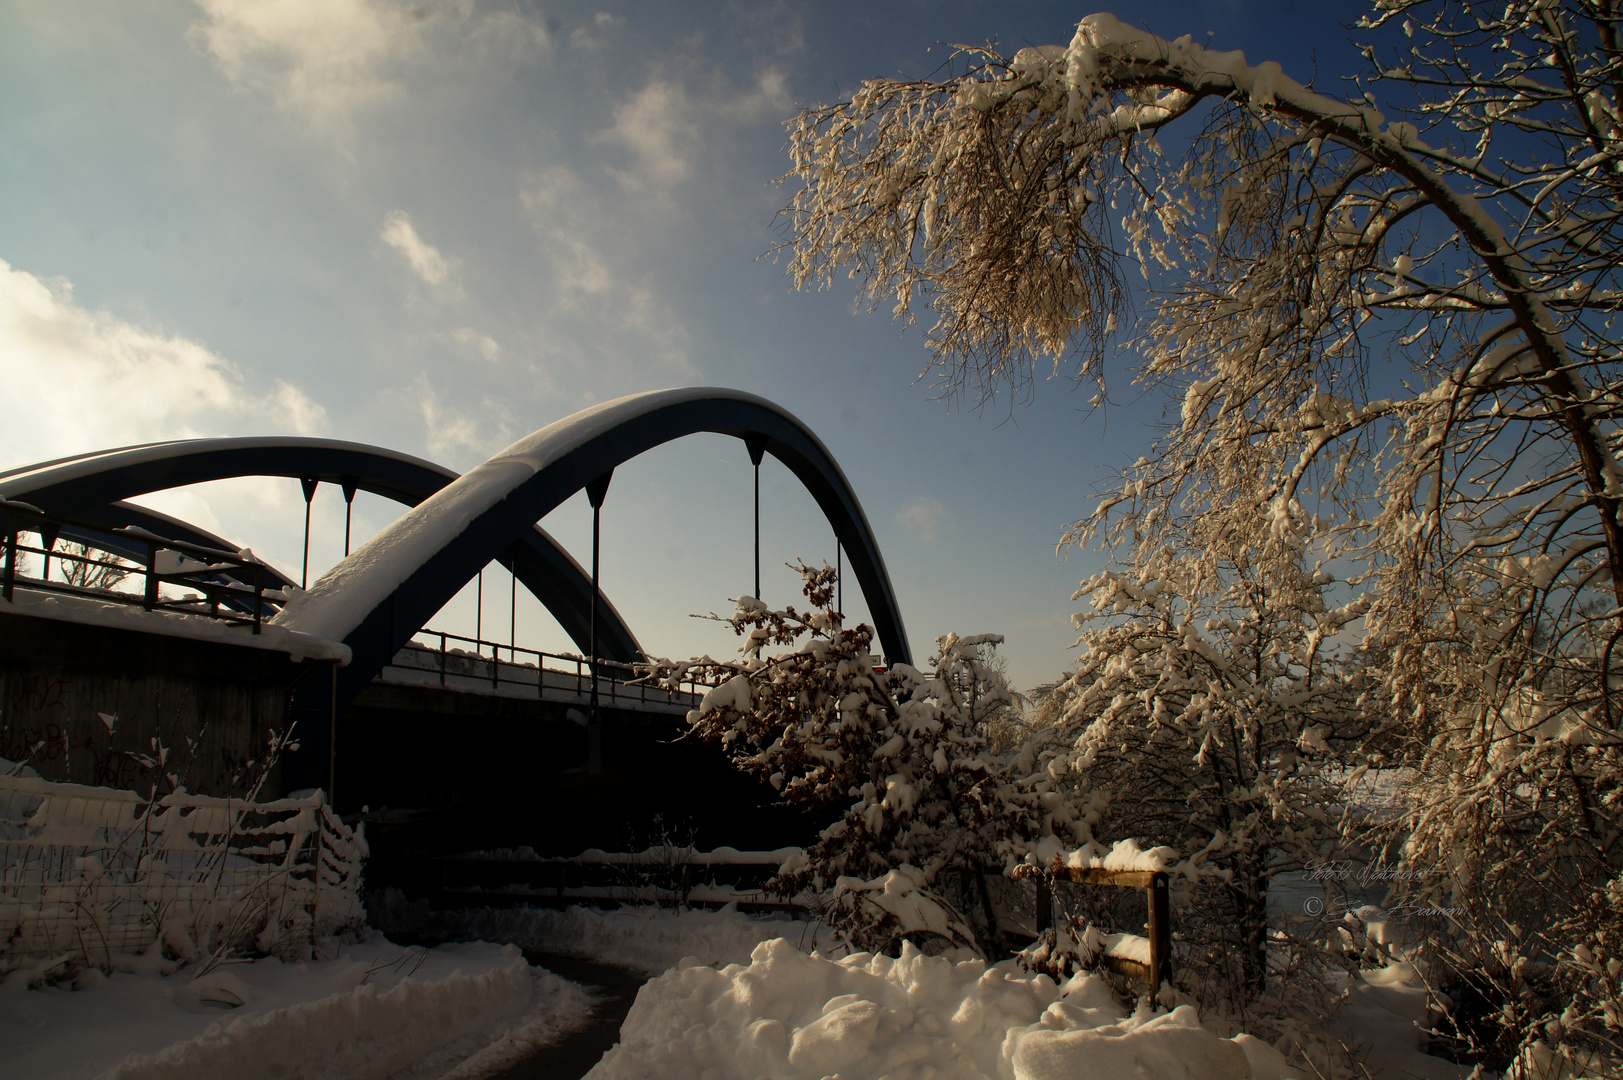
{"points": [[1158, 898], [230, 587], [676, 875], [225, 585], [526, 670]]}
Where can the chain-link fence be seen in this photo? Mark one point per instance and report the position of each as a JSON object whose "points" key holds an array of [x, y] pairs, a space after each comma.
{"points": [[87, 873]]}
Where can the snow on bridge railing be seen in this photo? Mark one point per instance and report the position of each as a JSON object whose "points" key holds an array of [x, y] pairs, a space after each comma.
{"points": [[230, 586], [88, 874]]}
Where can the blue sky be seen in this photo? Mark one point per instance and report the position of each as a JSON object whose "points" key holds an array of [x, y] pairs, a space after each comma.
{"points": [[439, 226]]}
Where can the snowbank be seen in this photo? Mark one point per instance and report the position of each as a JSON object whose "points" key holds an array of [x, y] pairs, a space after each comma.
{"points": [[1383, 1019], [789, 1015], [650, 940], [377, 1010]]}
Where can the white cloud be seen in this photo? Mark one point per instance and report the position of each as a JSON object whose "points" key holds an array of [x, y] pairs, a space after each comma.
{"points": [[666, 125], [595, 35], [658, 125], [295, 409], [325, 62], [425, 260], [322, 60], [453, 434], [926, 516], [81, 380], [577, 226], [483, 344], [557, 201]]}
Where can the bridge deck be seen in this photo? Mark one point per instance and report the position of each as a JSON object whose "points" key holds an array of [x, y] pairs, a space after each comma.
{"points": [[476, 673]]}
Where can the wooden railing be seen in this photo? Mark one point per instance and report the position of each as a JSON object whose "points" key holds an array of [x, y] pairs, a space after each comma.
{"points": [[1158, 926]]}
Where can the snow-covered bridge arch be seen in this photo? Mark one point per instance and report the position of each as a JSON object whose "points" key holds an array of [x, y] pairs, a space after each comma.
{"points": [[382, 593]]}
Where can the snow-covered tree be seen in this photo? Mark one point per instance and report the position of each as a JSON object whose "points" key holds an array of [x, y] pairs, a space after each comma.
{"points": [[1211, 713], [1389, 346], [904, 752]]}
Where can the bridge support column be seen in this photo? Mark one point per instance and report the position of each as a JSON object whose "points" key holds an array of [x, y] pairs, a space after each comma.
{"points": [[350, 485], [596, 491], [309, 484], [756, 445]]}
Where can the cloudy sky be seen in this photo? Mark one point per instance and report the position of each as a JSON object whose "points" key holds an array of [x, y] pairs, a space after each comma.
{"points": [[437, 225]]}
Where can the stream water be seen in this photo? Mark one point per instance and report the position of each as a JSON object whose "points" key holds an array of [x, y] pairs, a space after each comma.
{"points": [[575, 1055]]}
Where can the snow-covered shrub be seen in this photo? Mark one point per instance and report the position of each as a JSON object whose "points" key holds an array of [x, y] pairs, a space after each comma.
{"points": [[1203, 715], [95, 875], [904, 751], [895, 909]]}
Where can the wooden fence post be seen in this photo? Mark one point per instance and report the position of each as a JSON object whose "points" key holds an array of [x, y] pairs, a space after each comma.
{"points": [[1159, 898]]}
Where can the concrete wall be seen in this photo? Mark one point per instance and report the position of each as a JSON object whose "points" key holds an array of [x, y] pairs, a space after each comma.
{"points": [[438, 771], [211, 705]]}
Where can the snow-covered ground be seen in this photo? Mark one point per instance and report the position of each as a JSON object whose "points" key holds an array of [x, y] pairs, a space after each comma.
{"points": [[739, 993], [375, 1011], [789, 1015], [736, 995]]}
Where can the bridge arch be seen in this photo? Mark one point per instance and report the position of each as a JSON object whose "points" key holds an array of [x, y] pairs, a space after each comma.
{"points": [[377, 598], [93, 486]]}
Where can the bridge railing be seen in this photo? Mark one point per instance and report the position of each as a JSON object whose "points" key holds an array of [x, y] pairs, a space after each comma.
{"points": [[226, 585], [457, 662], [234, 587]]}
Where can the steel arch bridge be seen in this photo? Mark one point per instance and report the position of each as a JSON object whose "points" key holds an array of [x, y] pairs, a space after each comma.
{"points": [[382, 593], [94, 486]]}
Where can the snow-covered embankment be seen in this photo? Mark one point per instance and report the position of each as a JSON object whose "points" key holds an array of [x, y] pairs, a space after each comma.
{"points": [[377, 1011]]}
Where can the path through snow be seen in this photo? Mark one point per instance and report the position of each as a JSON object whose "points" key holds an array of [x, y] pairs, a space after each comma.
{"points": [[613, 990]]}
